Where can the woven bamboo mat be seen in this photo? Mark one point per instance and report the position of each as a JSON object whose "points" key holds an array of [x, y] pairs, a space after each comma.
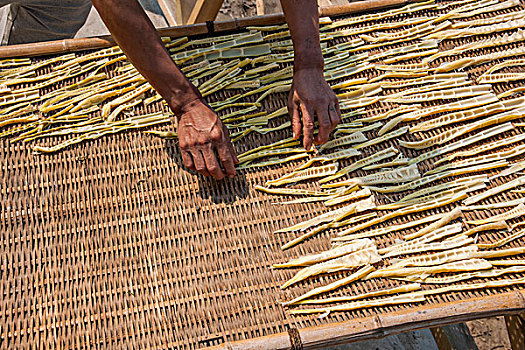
{"points": [[111, 243]]}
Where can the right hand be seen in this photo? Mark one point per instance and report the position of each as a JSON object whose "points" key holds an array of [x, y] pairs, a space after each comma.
{"points": [[205, 143]]}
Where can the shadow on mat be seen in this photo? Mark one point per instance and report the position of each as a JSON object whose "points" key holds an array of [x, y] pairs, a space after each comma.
{"points": [[225, 191]]}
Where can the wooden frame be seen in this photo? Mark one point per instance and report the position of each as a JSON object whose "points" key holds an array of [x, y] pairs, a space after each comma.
{"points": [[179, 12]]}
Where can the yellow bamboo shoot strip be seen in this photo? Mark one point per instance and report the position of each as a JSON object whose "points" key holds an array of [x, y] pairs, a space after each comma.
{"points": [[500, 78], [415, 67], [400, 204], [512, 92], [357, 207], [365, 192], [355, 305], [288, 142], [346, 72], [507, 262], [334, 215], [483, 30], [19, 97], [477, 60], [463, 182], [410, 56], [506, 17], [469, 114], [390, 113], [469, 162], [362, 272], [112, 51], [503, 241], [425, 80], [305, 174], [366, 256], [492, 8], [295, 191], [514, 168], [384, 230], [97, 99], [250, 38], [456, 266], [394, 74], [448, 217], [27, 80], [363, 91], [488, 147], [454, 93], [427, 5], [412, 32], [402, 289], [423, 45], [482, 135], [381, 26], [399, 161], [17, 72], [432, 236], [342, 154], [499, 205], [409, 173], [468, 275], [116, 127], [440, 85], [455, 242], [434, 177], [508, 215], [488, 254], [269, 153], [275, 161], [312, 259], [362, 102], [443, 257], [15, 62], [352, 138], [342, 129], [349, 83], [416, 208], [495, 190], [498, 41], [374, 158], [505, 64], [383, 138]]}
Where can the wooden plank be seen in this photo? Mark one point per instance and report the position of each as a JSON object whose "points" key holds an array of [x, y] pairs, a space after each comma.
{"points": [[171, 10], [205, 11], [383, 325], [459, 337], [440, 338], [516, 331], [265, 7]]}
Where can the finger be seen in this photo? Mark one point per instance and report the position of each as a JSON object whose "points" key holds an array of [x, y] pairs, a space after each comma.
{"points": [[227, 161], [335, 115], [212, 164], [325, 126], [200, 164], [188, 160], [234, 154], [308, 126], [296, 120]]}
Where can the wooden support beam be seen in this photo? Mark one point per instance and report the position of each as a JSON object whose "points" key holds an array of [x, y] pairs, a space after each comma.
{"points": [[516, 331], [204, 11], [459, 337]]}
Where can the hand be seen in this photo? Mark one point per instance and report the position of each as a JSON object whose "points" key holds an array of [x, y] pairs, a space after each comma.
{"points": [[311, 95], [205, 143]]}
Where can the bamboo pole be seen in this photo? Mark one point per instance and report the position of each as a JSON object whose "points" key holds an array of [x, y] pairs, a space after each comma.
{"points": [[72, 45]]}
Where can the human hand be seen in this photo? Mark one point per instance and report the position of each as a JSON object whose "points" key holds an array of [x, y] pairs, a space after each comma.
{"points": [[311, 95], [204, 142]]}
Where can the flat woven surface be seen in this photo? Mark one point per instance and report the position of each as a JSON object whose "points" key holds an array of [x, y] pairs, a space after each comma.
{"points": [[112, 242]]}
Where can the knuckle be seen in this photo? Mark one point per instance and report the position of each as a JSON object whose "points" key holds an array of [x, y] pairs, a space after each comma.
{"points": [[216, 134]]}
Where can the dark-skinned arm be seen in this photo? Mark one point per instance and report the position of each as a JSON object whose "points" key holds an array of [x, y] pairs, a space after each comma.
{"points": [[203, 138], [310, 95]]}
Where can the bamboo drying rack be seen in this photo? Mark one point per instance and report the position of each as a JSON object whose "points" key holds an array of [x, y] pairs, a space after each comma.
{"points": [[131, 186]]}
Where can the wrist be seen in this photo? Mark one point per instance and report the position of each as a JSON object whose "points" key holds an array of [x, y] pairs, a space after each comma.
{"points": [[310, 62]]}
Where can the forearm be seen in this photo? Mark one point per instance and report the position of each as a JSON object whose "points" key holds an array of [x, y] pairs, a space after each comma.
{"points": [[137, 37], [303, 20]]}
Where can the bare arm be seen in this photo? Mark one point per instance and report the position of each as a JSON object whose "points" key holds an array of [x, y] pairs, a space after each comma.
{"points": [[310, 94], [201, 133]]}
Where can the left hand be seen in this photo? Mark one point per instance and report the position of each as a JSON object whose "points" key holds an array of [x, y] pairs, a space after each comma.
{"points": [[311, 96]]}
